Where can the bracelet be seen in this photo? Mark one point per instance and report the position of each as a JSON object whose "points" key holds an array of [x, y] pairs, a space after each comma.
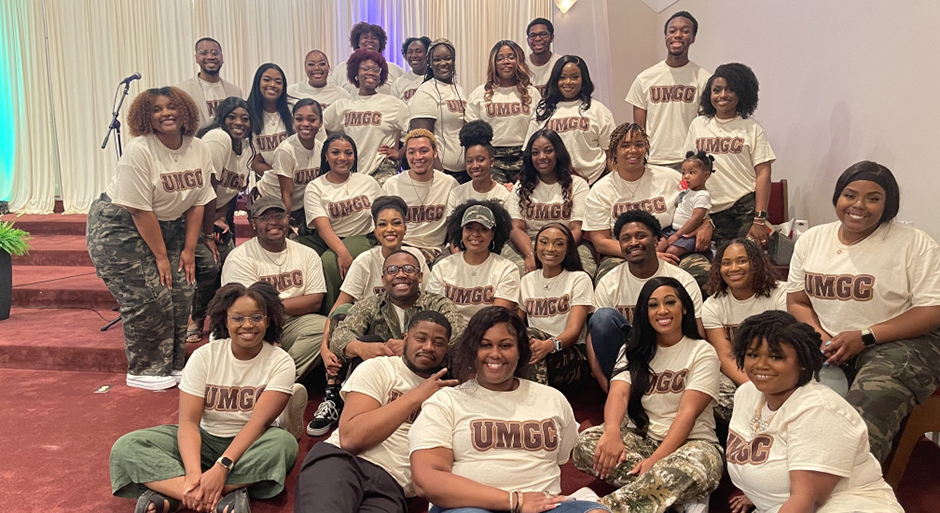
{"points": [[512, 506], [518, 501], [207, 236], [530, 254], [759, 222]]}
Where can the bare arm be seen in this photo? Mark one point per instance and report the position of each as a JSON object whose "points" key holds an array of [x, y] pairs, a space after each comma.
{"points": [[692, 404], [800, 307], [809, 490], [698, 215], [761, 199], [605, 244], [194, 215], [309, 303], [343, 257], [610, 451], [505, 303], [520, 239], [729, 367], [575, 227], [287, 191], [639, 116]]}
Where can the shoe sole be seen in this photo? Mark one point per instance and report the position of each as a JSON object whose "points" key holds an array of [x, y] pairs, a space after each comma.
{"points": [[295, 416], [153, 386], [320, 431]]}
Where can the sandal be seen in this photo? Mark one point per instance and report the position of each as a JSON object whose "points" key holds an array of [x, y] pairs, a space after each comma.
{"points": [[193, 335], [234, 502], [161, 503]]}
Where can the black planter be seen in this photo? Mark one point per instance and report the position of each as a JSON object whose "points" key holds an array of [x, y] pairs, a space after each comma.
{"points": [[6, 284]]}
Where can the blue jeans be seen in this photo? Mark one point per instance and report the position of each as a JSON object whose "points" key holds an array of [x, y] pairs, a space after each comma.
{"points": [[564, 507], [609, 330]]}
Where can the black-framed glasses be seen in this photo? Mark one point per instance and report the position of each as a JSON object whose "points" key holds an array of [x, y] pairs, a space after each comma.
{"points": [[254, 319], [267, 218], [539, 35], [408, 269]]}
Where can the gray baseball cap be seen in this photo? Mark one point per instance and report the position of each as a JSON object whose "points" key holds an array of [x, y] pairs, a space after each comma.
{"points": [[479, 214], [264, 203]]}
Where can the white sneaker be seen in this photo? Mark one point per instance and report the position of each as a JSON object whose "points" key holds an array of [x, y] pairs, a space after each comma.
{"points": [[151, 382], [585, 494], [292, 418], [696, 506], [177, 376]]}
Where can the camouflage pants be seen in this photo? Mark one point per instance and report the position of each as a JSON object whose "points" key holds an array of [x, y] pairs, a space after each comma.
{"points": [[585, 251], [355, 244], [507, 162], [387, 169], [208, 273], [432, 255], [691, 472], [735, 221], [695, 264], [562, 369], [726, 390], [153, 316], [892, 379]]}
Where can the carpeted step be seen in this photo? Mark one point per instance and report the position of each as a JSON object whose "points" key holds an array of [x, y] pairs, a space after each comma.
{"points": [[59, 287], [56, 250], [243, 230], [48, 224]]}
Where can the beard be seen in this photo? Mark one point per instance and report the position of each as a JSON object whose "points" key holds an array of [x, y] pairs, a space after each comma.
{"points": [[210, 72], [419, 371]]}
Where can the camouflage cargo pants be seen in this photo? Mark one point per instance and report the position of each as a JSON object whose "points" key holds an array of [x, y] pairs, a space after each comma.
{"points": [[726, 390], [153, 316], [691, 472], [735, 221], [207, 275], [562, 369], [507, 162], [892, 379], [695, 264]]}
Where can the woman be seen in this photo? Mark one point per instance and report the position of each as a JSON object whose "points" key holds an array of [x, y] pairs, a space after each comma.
{"points": [[296, 163], [549, 190], [438, 106], [666, 381], [226, 135], [374, 120], [740, 187], [556, 299], [740, 285], [220, 454], [458, 461], [337, 207], [267, 102], [142, 232], [794, 444], [870, 287], [636, 184], [583, 123], [317, 86], [415, 51], [476, 276], [475, 138], [506, 102]]}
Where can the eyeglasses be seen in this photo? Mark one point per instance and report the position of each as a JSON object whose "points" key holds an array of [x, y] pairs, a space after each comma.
{"points": [[214, 53], [375, 71], [408, 269], [539, 35], [267, 218], [254, 319]]}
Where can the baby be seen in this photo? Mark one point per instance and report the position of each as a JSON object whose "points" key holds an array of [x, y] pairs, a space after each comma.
{"points": [[691, 207]]}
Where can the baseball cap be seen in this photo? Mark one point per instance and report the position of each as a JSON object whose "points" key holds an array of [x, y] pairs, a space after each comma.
{"points": [[479, 214], [264, 203]]}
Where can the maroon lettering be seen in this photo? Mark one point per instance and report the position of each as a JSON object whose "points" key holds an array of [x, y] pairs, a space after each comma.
{"points": [[305, 176], [425, 213], [844, 287], [673, 93], [720, 144], [741, 452], [528, 435], [232, 180], [408, 94], [362, 119], [212, 105], [505, 110], [179, 181], [548, 211], [667, 382], [470, 296], [456, 105], [286, 280], [348, 207], [654, 206], [626, 311], [220, 398], [269, 142], [548, 306], [571, 124]]}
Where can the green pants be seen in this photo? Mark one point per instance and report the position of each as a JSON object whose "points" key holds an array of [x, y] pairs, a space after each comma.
{"points": [[301, 338], [355, 244], [153, 454]]}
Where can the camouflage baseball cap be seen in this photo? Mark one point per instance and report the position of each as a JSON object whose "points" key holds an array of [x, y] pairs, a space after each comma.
{"points": [[479, 214], [264, 203]]}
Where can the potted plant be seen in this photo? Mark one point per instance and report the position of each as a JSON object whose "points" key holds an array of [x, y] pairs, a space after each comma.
{"points": [[13, 241]]}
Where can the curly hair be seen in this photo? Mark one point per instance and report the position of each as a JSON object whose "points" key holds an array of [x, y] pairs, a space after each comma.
{"points": [[549, 102], [477, 133], [352, 66], [256, 100], [521, 75], [500, 230], [389, 203], [774, 328], [226, 107], [704, 159], [465, 357], [572, 260], [364, 27], [627, 131], [741, 80], [337, 136], [418, 133], [262, 293], [638, 216], [140, 113], [763, 281], [424, 40], [529, 176], [872, 172]]}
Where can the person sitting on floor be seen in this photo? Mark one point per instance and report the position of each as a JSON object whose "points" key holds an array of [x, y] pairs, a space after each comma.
{"points": [[226, 446], [364, 464], [294, 270]]}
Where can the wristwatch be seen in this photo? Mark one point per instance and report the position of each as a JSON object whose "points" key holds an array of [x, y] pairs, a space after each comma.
{"points": [[557, 342], [226, 462], [761, 214], [868, 338]]}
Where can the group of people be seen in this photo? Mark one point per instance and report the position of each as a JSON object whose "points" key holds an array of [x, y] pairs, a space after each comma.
{"points": [[456, 261]]}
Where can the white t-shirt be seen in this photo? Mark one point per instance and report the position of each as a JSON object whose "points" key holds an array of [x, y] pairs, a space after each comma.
{"points": [[513, 440], [427, 205], [815, 429], [465, 192], [671, 99], [347, 205], [385, 379], [365, 274], [339, 78], [738, 145], [208, 95], [325, 96], [540, 74], [229, 169], [474, 287], [230, 387], [727, 312], [293, 160], [688, 202], [620, 289], [445, 104], [371, 121], [586, 134], [891, 271], [505, 112], [547, 205], [547, 302], [690, 364], [167, 182], [655, 192], [273, 133], [297, 271], [405, 86]]}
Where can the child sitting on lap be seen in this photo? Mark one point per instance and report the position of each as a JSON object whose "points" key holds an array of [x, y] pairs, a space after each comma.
{"points": [[691, 207]]}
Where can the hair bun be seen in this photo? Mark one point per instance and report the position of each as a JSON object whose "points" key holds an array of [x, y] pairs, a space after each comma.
{"points": [[476, 132]]}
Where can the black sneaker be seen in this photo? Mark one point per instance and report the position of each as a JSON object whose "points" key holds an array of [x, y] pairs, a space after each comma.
{"points": [[327, 413]]}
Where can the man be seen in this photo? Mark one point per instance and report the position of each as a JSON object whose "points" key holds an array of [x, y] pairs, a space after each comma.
{"points": [[666, 97], [364, 465], [295, 271], [615, 298], [374, 326], [368, 36], [540, 34], [207, 88]]}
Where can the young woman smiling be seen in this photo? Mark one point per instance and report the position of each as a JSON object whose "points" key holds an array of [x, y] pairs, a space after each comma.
{"points": [[476, 137], [267, 102]]}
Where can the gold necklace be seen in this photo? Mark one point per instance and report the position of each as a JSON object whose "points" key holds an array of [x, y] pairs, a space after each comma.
{"points": [[842, 245], [758, 424], [638, 184]]}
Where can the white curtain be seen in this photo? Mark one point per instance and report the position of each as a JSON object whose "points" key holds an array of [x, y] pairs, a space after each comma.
{"points": [[60, 97]]}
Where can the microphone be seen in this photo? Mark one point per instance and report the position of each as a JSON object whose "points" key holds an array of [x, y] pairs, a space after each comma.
{"points": [[128, 80]]}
